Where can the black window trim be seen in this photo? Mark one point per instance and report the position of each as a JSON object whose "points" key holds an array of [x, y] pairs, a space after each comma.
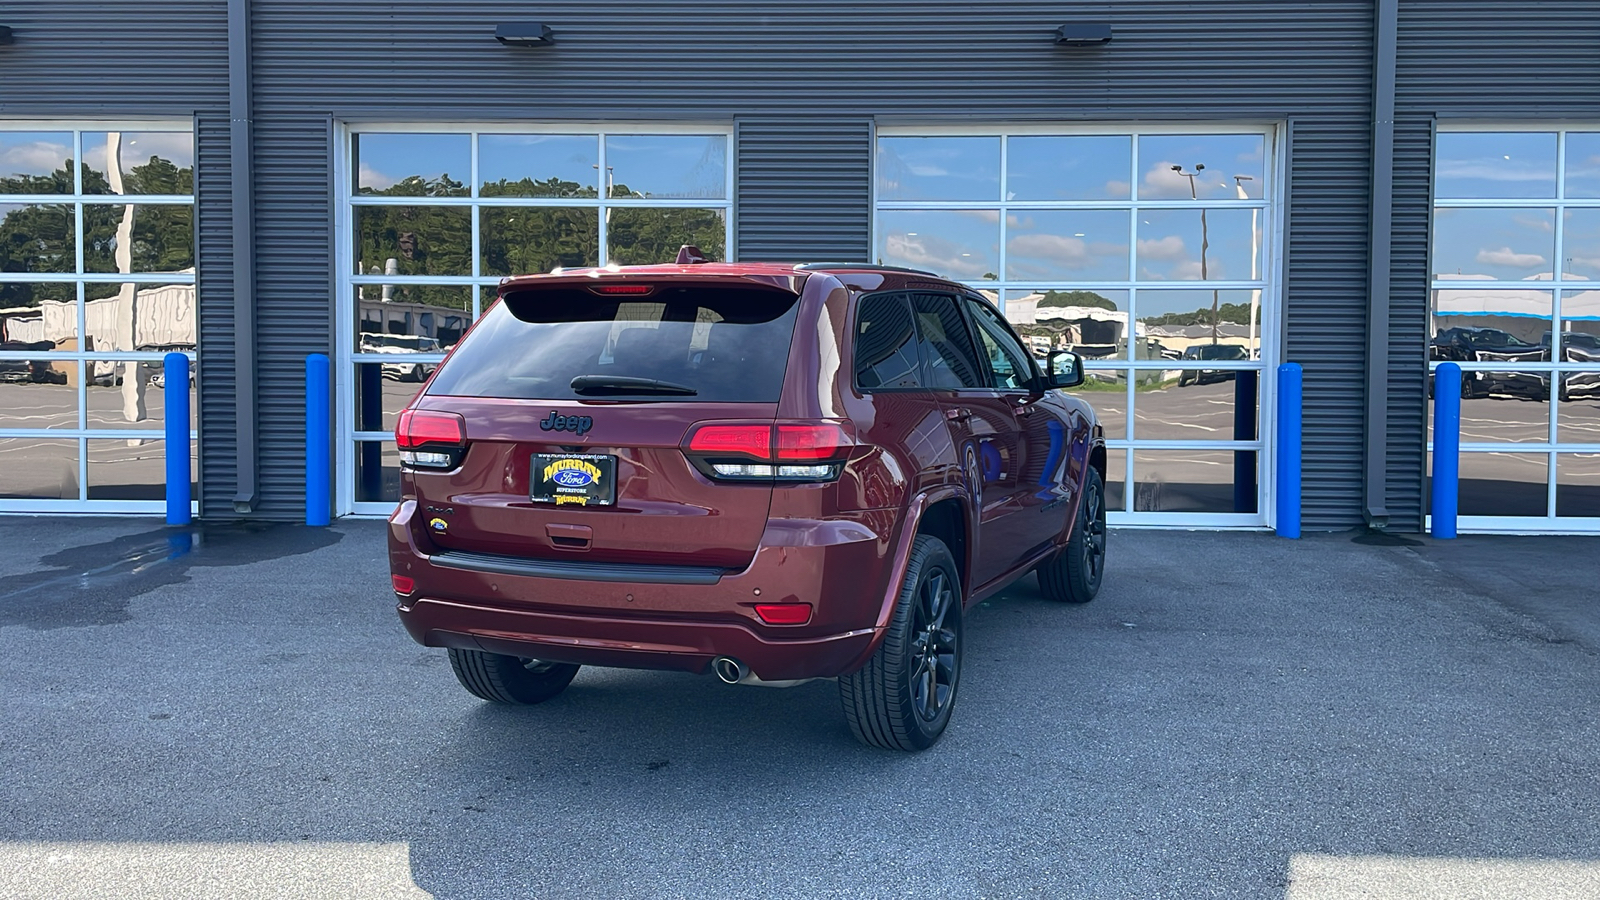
{"points": [[977, 340]]}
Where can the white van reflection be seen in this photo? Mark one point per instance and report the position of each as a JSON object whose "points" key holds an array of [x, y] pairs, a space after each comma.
{"points": [[402, 344]]}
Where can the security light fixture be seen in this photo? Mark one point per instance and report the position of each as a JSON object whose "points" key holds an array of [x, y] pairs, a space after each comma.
{"points": [[1084, 34], [523, 34], [5, 34]]}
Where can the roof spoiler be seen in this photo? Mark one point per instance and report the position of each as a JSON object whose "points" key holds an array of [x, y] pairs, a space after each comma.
{"points": [[689, 255]]}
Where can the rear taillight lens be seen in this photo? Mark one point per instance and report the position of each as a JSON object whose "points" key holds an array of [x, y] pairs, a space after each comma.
{"points": [[431, 440], [734, 440], [769, 451]]}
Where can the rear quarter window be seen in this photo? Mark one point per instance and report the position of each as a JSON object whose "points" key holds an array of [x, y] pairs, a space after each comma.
{"points": [[728, 345]]}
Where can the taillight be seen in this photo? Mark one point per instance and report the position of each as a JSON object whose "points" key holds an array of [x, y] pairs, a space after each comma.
{"points": [[636, 290], [775, 451], [431, 440], [744, 440]]}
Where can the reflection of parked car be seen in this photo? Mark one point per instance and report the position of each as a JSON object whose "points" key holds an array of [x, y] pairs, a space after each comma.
{"points": [[401, 343], [1584, 349], [1227, 352], [29, 370], [1491, 345]]}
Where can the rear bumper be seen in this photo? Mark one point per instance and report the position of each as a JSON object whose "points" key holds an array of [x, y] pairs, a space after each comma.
{"points": [[841, 567], [631, 643]]}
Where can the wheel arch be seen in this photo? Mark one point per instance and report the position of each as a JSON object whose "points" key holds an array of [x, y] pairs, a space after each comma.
{"points": [[946, 513]]}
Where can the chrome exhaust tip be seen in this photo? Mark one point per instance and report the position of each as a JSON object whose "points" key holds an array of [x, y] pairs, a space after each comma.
{"points": [[730, 670]]}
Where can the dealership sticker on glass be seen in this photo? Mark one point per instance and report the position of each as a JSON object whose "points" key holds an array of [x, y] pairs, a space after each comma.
{"points": [[574, 479]]}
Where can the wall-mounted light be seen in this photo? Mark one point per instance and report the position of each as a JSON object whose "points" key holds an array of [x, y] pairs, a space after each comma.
{"points": [[523, 34], [5, 34], [1084, 34]]}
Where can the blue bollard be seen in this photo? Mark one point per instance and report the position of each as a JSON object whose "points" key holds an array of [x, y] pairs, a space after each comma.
{"points": [[319, 468], [1446, 449], [175, 392], [1290, 400]]}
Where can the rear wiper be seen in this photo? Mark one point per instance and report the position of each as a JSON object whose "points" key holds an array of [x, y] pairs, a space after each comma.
{"points": [[624, 384]]}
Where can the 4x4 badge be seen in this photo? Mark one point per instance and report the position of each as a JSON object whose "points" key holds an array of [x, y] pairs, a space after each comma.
{"points": [[575, 424]]}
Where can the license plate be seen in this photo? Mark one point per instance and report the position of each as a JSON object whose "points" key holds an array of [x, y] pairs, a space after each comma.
{"points": [[574, 479]]}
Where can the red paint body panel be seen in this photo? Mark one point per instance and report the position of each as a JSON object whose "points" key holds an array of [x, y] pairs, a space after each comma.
{"points": [[839, 545]]}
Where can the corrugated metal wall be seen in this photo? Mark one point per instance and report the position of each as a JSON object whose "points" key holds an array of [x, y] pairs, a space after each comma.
{"points": [[1534, 62], [824, 221], [804, 81], [167, 59]]}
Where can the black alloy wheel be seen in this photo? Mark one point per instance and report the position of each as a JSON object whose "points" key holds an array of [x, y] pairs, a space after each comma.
{"points": [[934, 645], [902, 698], [1074, 575]]}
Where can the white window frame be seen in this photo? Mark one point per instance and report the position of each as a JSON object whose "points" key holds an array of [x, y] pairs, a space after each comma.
{"points": [[1551, 447], [1271, 342], [346, 358], [82, 434]]}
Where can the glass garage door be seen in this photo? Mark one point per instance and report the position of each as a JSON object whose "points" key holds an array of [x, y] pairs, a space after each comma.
{"points": [[1147, 252], [96, 286], [433, 217], [1516, 252]]}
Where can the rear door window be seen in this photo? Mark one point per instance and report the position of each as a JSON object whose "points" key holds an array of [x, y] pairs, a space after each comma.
{"points": [[687, 344], [886, 344], [949, 360]]}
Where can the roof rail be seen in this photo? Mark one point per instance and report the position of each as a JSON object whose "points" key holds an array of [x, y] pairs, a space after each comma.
{"points": [[823, 266]]}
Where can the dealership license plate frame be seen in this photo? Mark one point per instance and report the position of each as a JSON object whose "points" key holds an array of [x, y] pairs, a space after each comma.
{"points": [[601, 490]]}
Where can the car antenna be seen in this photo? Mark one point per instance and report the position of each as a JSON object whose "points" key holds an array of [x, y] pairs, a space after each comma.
{"points": [[689, 254]]}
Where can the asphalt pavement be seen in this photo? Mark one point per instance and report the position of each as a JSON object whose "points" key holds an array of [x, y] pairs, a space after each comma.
{"points": [[237, 713]]}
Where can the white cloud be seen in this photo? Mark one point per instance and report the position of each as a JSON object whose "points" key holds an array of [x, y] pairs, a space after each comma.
{"points": [[1068, 252], [928, 171], [1189, 270], [1117, 188], [1545, 225], [934, 253], [138, 147], [1161, 181], [1496, 170], [1505, 256], [33, 158], [1170, 248], [372, 178], [1587, 262]]}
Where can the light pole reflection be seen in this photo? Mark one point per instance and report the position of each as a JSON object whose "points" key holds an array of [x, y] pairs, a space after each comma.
{"points": [[1205, 243]]}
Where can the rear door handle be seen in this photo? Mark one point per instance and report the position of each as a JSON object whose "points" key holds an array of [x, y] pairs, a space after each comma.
{"points": [[959, 414]]}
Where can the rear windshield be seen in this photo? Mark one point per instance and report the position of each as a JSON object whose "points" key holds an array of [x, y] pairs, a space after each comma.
{"points": [[689, 343]]}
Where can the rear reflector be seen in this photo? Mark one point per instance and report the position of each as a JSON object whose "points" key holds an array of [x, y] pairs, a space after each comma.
{"points": [[634, 289], [403, 584], [784, 613]]}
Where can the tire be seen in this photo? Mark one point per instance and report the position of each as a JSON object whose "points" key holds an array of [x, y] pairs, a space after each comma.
{"points": [[887, 702], [509, 679], [1074, 575]]}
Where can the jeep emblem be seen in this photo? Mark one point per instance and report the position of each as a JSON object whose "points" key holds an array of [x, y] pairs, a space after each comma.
{"points": [[575, 424]]}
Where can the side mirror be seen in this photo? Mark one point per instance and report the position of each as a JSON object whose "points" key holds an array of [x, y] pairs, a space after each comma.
{"points": [[1063, 369]]}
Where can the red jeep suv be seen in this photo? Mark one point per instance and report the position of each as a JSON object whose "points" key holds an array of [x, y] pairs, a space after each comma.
{"points": [[771, 472]]}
